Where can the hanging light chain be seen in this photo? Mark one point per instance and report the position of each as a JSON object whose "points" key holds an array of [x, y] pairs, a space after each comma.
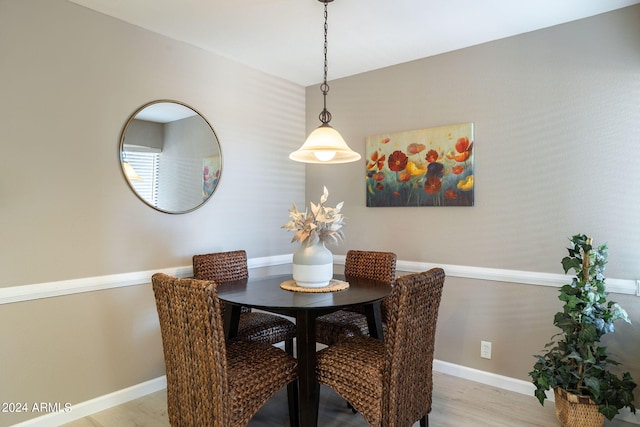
{"points": [[325, 115], [326, 31], [325, 145]]}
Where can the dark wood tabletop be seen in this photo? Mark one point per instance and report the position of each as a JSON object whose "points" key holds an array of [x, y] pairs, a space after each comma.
{"points": [[265, 293]]}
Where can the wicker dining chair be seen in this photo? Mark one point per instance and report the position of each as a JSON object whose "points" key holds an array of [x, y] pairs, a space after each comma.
{"points": [[222, 267], [390, 382], [210, 381], [351, 321]]}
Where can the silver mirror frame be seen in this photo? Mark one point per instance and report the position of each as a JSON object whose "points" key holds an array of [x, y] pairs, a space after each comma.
{"points": [[121, 150]]}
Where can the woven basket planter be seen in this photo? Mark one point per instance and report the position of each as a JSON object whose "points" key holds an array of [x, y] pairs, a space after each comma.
{"points": [[576, 411]]}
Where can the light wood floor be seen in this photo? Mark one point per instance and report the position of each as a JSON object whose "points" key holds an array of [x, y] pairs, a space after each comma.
{"points": [[456, 403]]}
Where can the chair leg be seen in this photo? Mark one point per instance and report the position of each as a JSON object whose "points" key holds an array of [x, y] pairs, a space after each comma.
{"points": [[424, 421], [292, 397], [288, 347]]}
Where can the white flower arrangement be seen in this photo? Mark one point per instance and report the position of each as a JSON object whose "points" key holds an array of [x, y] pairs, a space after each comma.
{"points": [[322, 224]]}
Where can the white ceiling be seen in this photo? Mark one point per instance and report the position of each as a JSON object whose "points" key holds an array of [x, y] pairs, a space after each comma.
{"points": [[285, 37], [164, 112]]}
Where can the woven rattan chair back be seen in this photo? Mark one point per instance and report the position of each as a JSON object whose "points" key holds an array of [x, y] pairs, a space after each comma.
{"points": [[409, 343], [194, 351], [211, 382], [371, 265], [221, 267], [351, 320], [390, 382]]}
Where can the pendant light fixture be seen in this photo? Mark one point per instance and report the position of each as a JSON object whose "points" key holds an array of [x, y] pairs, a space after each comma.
{"points": [[325, 144]]}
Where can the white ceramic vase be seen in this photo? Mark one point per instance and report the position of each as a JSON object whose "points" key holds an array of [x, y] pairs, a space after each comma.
{"points": [[312, 265]]}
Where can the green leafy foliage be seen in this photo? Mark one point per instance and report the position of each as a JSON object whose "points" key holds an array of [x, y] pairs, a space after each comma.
{"points": [[574, 359]]}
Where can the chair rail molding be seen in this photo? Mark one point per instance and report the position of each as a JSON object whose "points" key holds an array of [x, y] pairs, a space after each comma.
{"points": [[21, 293], [617, 286]]}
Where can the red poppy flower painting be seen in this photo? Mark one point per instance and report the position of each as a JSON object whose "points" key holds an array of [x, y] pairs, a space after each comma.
{"points": [[398, 161], [427, 167]]}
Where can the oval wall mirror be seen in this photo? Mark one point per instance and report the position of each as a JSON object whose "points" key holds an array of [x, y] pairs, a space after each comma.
{"points": [[170, 156]]}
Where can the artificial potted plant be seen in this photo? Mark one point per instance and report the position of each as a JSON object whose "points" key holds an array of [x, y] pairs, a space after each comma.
{"points": [[575, 365], [312, 261]]}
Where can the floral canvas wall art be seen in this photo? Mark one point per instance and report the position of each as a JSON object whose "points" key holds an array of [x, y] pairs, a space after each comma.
{"points": [[427, 167], [210, 175]]}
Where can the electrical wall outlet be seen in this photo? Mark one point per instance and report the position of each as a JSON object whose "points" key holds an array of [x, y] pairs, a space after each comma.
{"points": [[485, 349]]}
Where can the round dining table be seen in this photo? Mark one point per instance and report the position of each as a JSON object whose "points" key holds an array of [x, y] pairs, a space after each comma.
{"points": [[266, 293]]}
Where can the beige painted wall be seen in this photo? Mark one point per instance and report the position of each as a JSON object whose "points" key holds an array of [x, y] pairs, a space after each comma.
{"points": [[557, 130], [69, 80], [547, 106], [77, 347], [557, 124]]}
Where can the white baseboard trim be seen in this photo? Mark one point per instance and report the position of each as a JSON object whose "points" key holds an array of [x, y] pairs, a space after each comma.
{"points": [[511, 384], [110, 400], [97, 404], [483, 377]]}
